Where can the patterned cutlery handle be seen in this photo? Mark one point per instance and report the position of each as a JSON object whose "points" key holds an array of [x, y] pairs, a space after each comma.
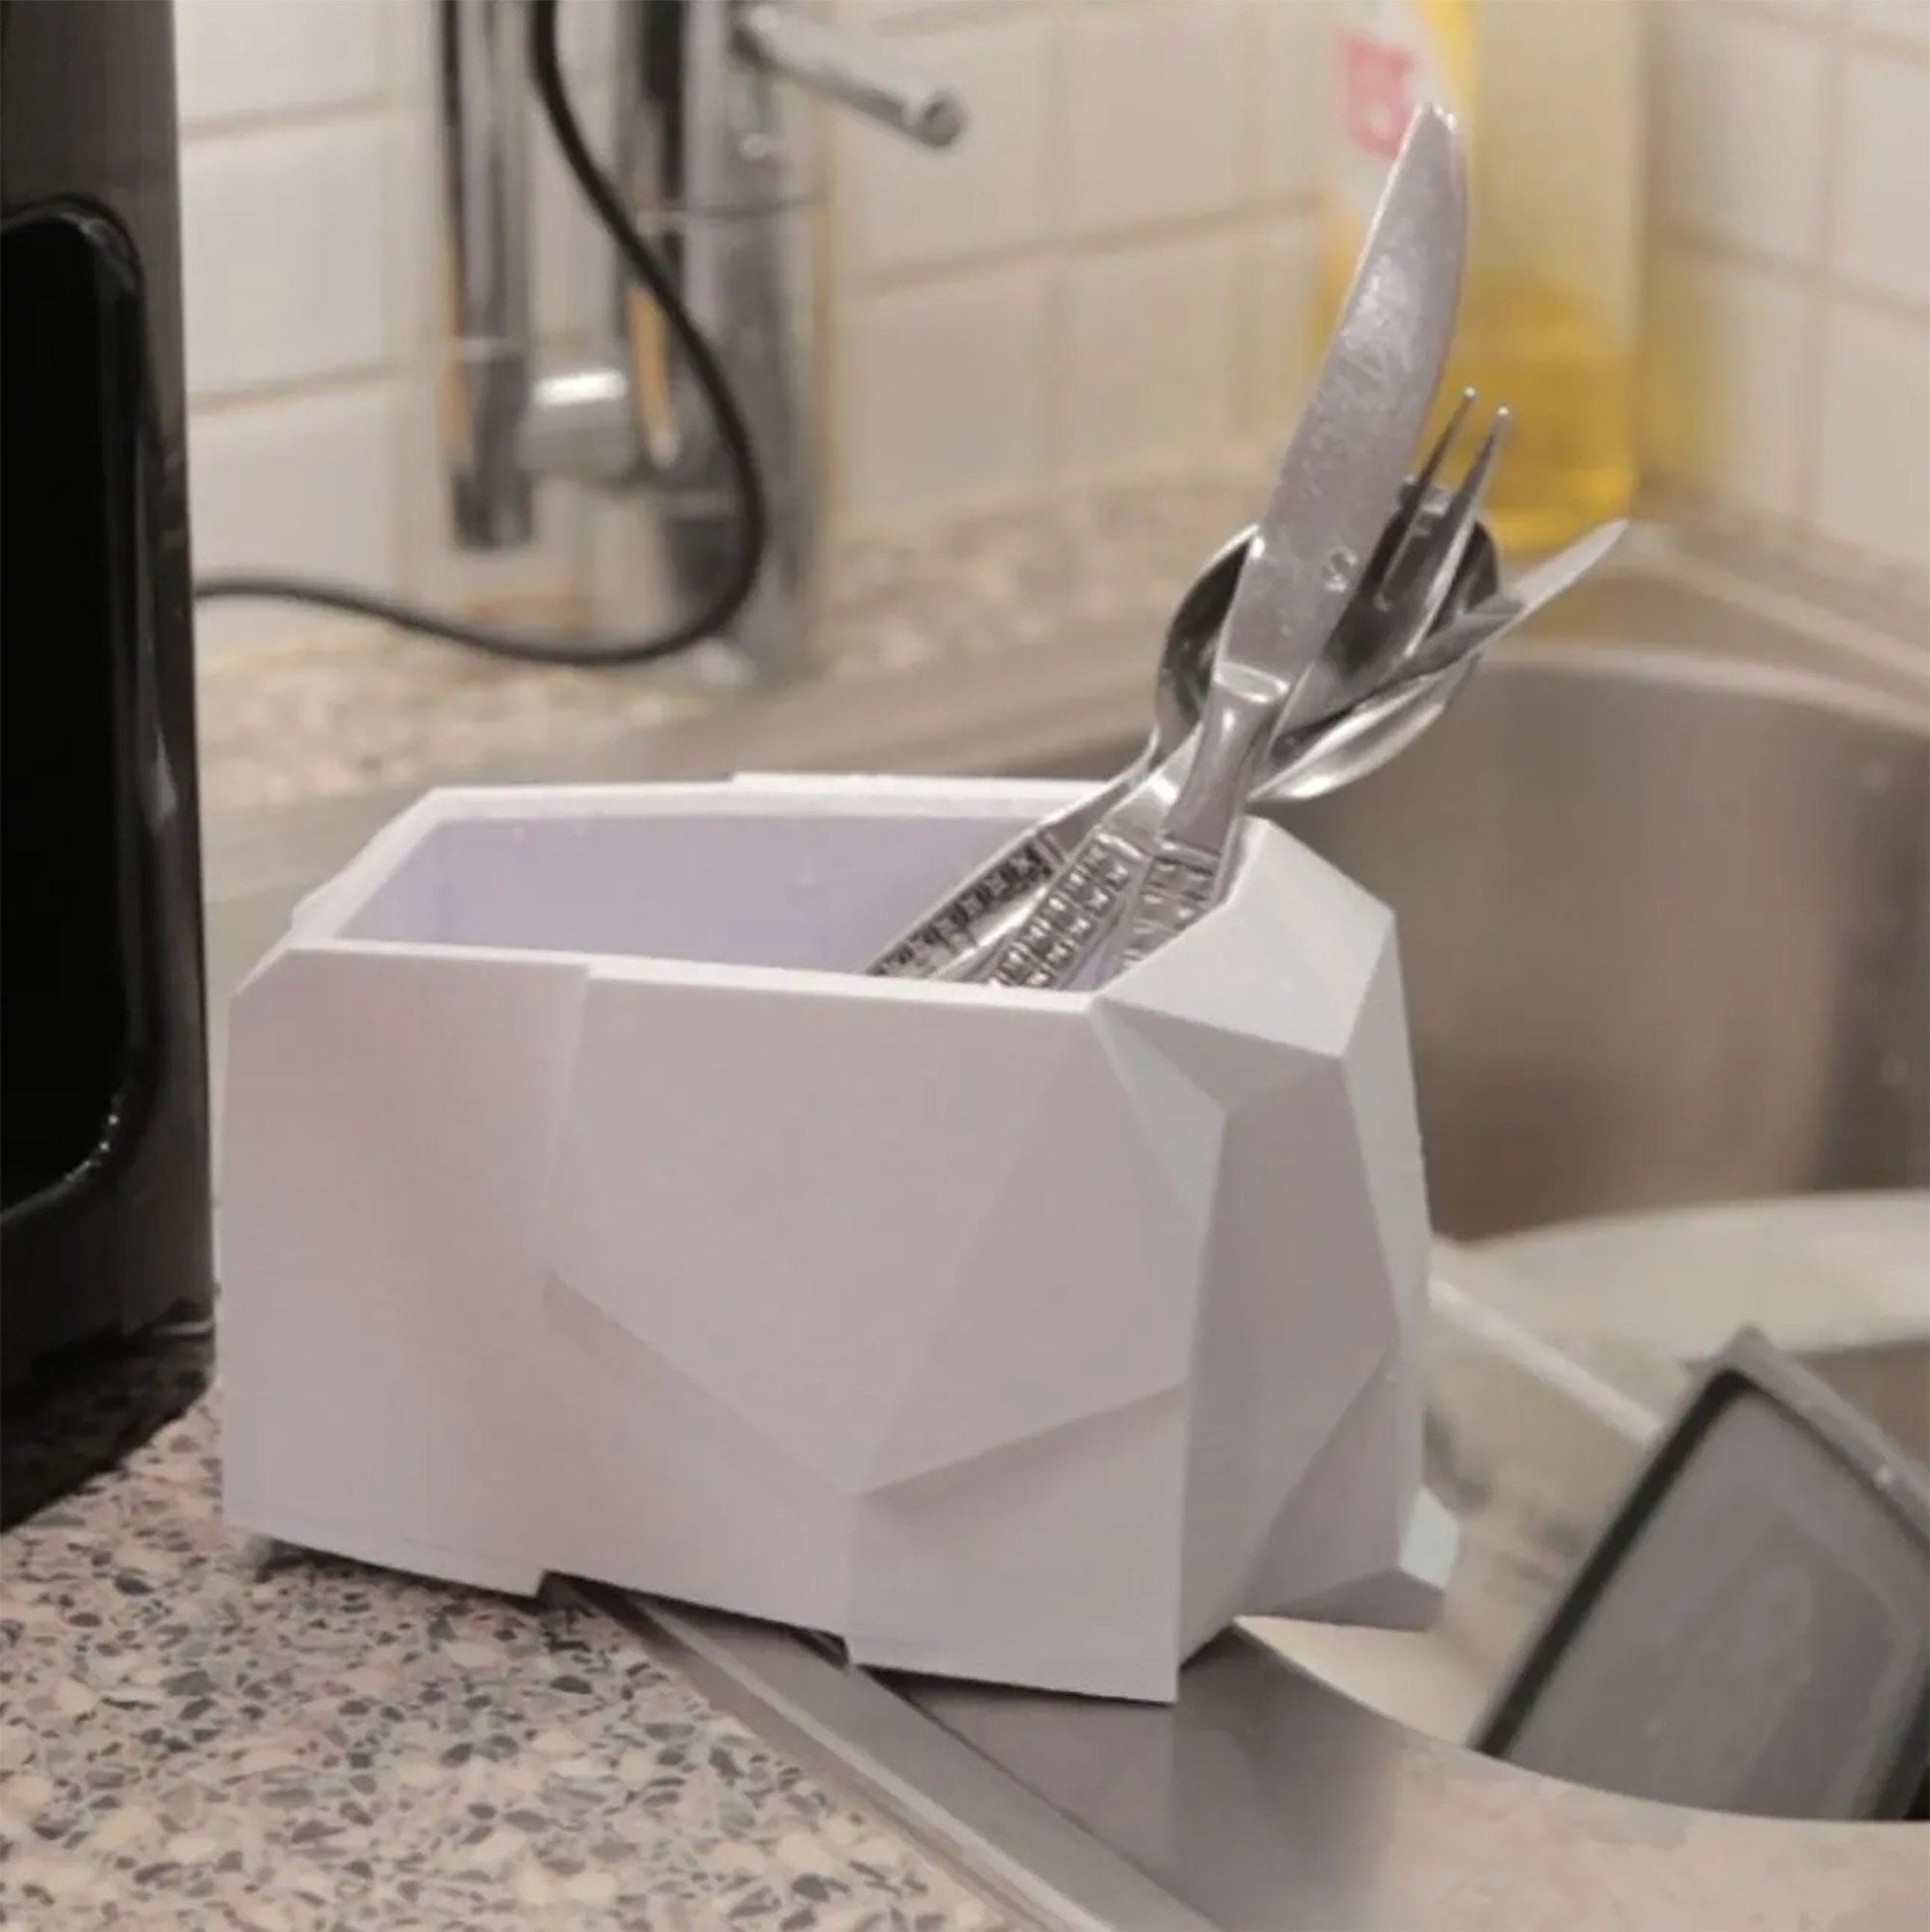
{"points": [[1076, 912], [1180, 884], [975, 919], [1192, 853], [954, 929]]}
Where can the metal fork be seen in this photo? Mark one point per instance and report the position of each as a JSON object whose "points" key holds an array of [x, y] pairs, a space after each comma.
{"points": [[957, 937], [1191, 862], [961, 940], [1070, 935], [1412, 591]]}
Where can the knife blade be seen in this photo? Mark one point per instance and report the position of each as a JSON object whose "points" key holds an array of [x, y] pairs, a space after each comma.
{"points": [[1342, 473], [1163, 854]]}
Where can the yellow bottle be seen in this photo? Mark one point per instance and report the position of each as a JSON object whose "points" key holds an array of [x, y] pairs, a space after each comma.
{"points": [[1547, 94]]}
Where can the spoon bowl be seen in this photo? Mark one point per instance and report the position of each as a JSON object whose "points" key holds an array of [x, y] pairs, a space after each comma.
{"points": [[1380, 727]]}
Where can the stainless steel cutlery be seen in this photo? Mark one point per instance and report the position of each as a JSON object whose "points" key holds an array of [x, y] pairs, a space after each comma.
{"points": [[1162, 853], [956, 938], [1309, 651]]}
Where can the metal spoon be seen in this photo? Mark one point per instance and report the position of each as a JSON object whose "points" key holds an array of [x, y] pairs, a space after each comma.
{"points": [[948, 941], [1195, 628], [1340, 748], [1428, 527], [1325, 757]]}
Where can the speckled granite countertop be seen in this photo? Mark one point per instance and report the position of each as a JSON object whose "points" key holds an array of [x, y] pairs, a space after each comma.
{"points": [[363, 708], [353, 710], [191, 1737]]}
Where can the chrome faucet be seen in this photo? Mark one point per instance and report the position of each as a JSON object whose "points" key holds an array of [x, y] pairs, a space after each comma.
{"points": [[713, 168]]}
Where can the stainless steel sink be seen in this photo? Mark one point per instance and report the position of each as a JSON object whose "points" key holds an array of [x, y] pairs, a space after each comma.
{"points": [[1666, 933], [1665, 926]]}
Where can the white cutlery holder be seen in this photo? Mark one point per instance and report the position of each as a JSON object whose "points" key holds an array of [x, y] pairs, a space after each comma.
{"points": [[586, 1209]]}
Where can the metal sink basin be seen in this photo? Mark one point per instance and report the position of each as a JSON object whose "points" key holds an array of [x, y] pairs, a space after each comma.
{"points": [[1666, 933]]}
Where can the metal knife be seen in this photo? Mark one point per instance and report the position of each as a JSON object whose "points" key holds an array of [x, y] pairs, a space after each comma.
{"points": [[1168, 845]]}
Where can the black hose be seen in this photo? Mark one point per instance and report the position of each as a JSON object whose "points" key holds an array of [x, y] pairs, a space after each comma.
{"points": [[752, 520]]}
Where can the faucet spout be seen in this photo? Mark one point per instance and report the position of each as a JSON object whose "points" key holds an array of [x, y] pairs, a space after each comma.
{"points": [[831, 65], [715, 177], [485, 333]]}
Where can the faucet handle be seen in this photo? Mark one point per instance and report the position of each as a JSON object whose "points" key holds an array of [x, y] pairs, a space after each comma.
{"points": [[833, 66]]}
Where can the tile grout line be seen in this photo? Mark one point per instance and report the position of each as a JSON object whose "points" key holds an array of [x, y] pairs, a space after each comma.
{"points": [[415, 362], [1803, 274], [1259, 217], [319, 385], [404, 115], [254, 124], [1243, 379], [396, 93], [1051, 250], [1866, 35], [1863, 39], [1809, 400]]}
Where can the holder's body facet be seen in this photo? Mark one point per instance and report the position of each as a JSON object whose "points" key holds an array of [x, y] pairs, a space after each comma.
{"points": [[586, 1210]]}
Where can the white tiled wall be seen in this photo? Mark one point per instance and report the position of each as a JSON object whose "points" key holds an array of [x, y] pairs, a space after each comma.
{"points": [[1136, 172], [309, 215], [1072, 291], [1790, 265], [255, 60], [946, 400], [1109, 277], [284, 228]]}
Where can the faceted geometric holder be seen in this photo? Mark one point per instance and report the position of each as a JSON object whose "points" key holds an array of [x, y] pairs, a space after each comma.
{"points": [[586, 1209]]}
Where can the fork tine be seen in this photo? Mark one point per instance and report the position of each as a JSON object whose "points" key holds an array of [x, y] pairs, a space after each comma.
{"points": [[1430, 575], [1468, 493], [1404, 525], [1423, 478]]}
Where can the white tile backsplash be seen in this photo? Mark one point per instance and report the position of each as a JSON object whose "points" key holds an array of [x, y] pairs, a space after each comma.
{"points": [[1155, 112], [303, 483], [941, 397], [587, 35], [904, 207], [883, 16], [574, 280], [1112, 271], [1789, 333], [1743, 99], [1291, 83], [1729, 342], [1873, 470], [304, 476], [1150, 355], [1278, 314], [1803, 12], [1901, 20], [236, 59], [282, 244], [1880, 225]]}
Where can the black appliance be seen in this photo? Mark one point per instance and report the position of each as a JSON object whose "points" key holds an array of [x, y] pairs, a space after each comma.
{"points": [[105, 1274]]}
